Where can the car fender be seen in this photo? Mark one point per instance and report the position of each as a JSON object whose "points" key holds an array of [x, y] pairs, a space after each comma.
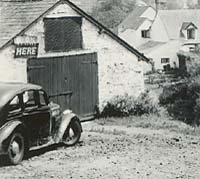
{"points": [[6, 131], [67, 117]]}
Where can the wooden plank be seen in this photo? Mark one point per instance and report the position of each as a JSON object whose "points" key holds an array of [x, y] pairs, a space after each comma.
{"points": [[77, 74]]}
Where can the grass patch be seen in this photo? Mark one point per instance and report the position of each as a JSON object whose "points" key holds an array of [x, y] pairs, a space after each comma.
{"points": [[152, 122], [104, 131]]}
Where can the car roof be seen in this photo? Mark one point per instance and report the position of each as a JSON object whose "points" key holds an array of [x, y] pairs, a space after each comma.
{"points": [[9, 90]]}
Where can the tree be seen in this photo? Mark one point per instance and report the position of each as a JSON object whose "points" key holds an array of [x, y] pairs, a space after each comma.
{"points": [[111, 12]]}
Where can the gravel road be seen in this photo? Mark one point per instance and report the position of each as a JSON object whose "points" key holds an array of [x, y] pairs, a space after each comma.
{"points": [[114, 152]]}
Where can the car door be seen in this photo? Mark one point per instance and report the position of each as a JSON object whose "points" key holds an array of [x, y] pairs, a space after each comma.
{"points": [[45, 116], [36, 117]]}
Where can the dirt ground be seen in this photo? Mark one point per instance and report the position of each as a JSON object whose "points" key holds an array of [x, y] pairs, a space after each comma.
{"points": [[114, 152]]}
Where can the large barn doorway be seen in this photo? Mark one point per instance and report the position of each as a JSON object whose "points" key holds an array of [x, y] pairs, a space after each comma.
{"points": [[70, 81]]}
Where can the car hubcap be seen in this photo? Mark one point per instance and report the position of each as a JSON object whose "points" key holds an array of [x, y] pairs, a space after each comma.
{"points": [[15, 148], [71, 135]]}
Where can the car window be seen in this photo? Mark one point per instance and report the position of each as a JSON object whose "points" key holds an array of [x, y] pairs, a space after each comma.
{"points": [[43, 101], [29, 99], [14, 105]]}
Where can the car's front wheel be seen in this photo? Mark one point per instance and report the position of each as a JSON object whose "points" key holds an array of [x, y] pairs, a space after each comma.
{"points": [[16, 148], [72, 134]]}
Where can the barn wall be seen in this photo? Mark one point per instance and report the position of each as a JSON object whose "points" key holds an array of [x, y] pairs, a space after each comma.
{"points": [[119, 71], [12, 70]]}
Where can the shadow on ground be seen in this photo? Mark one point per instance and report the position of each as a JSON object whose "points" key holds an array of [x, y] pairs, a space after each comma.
{"points": [[4, 161]]}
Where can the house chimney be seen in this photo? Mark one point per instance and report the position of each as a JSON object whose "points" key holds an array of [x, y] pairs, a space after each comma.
{"points": [[185, 4], [160, 4]]}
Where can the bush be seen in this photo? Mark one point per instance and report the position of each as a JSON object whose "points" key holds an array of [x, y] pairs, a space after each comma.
{"points": [[182, 101], [122, 106]]}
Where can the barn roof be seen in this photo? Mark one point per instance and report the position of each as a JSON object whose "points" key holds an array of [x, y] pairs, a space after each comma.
{"points": [[16, 17], [173, 20], [134, 19]]}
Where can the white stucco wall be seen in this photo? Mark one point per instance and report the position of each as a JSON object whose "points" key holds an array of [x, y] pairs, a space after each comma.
{"points": [[119, 71], [168, 50], [12, 70]]}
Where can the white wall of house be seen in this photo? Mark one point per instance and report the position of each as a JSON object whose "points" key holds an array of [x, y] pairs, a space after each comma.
{"points": [[168, 50], [119, 71]]}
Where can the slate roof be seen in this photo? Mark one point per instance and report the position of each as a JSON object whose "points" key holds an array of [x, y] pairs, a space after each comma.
{"points": [[173, 20], [133, 20], [188, 54], [150, 45], [17, 17]]}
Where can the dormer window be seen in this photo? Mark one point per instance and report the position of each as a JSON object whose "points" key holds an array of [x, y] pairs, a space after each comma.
{"points": [[145, 33], [191, 33], [188, 30]]}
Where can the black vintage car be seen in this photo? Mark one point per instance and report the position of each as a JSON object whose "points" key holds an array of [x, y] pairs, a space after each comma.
{"points": [[29, 121]]}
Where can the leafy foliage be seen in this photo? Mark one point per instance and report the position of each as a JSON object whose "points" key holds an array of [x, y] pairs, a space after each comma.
{"points": [[121, 106], [112, 12], [183, 101]]}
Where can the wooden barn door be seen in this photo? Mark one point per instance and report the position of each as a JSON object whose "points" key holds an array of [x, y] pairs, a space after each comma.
{"points": [[71, 81]]}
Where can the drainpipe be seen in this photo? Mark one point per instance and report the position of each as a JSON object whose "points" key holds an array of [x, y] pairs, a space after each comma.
{"points": [[156, 6], [185, 5]]}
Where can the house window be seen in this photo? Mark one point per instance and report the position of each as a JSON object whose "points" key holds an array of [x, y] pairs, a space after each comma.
{"points": [[63, 34], [145, 33], [191, 33], [192, 49], [165, 60]]}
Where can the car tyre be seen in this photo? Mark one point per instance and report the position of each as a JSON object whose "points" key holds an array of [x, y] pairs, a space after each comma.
{"points": [[72, 133], [16, 148]]}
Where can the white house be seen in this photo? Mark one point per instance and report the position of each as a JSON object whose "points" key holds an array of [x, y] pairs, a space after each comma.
{"points": [[160, 35], [75, 58]]}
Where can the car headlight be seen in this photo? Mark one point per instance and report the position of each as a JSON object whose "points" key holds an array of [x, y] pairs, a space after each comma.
{"points": [[56, 112]]}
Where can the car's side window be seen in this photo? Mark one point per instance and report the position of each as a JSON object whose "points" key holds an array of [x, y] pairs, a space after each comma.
{"points": [[29, 99], [42, 98], [14, 105]]}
